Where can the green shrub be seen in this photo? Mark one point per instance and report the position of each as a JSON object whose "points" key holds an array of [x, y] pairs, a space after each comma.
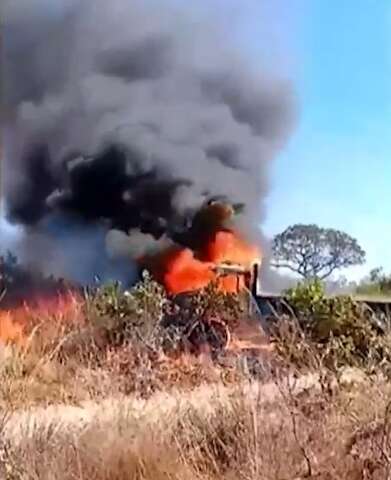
{"points": [[379, 284], [335, 328], [212, 302], [145, 313], [323, 316], [133, 314]]}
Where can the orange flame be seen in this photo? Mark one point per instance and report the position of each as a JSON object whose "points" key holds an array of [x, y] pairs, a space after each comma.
{"points": [[11, 331], [182, 270], [16, 324], [227, 246]]}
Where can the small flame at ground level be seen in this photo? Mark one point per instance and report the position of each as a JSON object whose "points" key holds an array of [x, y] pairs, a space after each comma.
{"points": [[183, 270], [17, 324], [11, 330]]}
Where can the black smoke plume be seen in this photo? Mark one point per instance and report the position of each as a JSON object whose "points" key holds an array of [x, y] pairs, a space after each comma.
{"points": [[131, 115]]}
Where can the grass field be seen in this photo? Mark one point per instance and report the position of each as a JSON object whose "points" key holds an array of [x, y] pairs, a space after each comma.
{"points": [[282, 430], [62, 421], [75, 406]]}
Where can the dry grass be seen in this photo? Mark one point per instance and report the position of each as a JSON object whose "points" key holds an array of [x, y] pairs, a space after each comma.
{"points": [[248, 431], [76, 408], [68, 361]]}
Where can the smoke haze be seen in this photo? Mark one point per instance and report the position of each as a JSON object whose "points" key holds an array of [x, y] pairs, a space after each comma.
{"points": [[129, 116]]}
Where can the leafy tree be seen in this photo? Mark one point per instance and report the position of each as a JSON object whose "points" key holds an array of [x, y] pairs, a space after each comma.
{"points": [[315, 252]]}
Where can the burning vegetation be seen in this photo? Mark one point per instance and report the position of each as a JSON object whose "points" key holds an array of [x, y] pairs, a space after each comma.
{"points": [[209, 260]]}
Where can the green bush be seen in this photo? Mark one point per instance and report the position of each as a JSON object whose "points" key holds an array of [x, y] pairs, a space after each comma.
{"points": [[379, 284], [336, 328], [146, 313], [323, 316], [133, 314], [212, 302]]}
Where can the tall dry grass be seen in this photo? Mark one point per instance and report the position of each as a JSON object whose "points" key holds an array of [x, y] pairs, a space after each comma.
{"points": [[74, 407], [284, 431]]}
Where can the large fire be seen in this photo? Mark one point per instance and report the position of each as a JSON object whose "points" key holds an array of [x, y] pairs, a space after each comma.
{"points": [[216, 254], [183, 269]]}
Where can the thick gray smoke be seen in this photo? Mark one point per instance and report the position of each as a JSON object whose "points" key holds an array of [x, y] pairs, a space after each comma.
{"points": [[133, 113]]}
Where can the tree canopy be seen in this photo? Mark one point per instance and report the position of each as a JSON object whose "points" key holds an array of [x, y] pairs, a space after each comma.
{"points": [[315, 252]]}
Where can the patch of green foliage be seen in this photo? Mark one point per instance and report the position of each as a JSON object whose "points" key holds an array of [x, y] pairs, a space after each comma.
{"points": [[213, 303], [323, 316], [146, 313], [126, 315], [337, 329], [378, 284]]}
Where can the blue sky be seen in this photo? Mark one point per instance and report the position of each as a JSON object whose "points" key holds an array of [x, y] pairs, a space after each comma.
{"points": [[336, 170]]}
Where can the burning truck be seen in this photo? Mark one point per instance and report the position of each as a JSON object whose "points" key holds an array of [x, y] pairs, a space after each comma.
{"points": [[208, 252]]}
